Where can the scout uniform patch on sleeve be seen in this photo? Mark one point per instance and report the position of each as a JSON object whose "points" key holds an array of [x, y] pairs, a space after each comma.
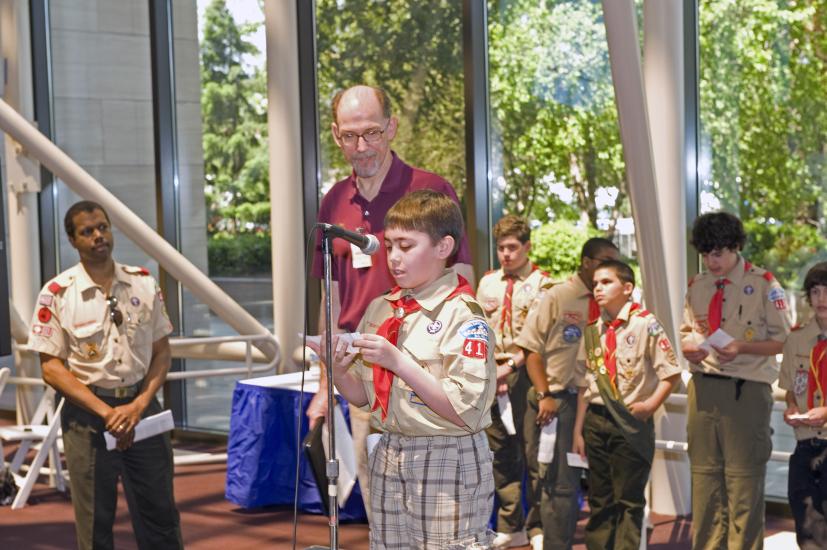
{"points": [[475, 333], [800, 382], [778, 298]]}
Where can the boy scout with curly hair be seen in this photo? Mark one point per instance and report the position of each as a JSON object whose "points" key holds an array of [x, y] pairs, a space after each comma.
{"points": [[729, 396]]}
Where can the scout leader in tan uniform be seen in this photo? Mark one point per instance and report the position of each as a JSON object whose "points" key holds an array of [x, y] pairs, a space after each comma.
{"points": [[551, 338], [425, 368], [626, 369], [729, 396], [804, 376], [507, 295], [101, 330]]}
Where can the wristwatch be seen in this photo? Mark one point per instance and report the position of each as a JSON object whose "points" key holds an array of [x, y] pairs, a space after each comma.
{"points": [[542, 394], [511, 364]]}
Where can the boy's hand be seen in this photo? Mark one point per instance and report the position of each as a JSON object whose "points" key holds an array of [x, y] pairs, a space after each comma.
{"points": [[502, 373], [818, 416], [728, 352], [379, 351], [579, 445], [546, 409], [642, 410], [792, 409], [693, 353]]}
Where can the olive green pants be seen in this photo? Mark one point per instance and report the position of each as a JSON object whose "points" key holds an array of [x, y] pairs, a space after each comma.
{"points": [[509, 456], [617, 482], [729, 446], [146, 470]]}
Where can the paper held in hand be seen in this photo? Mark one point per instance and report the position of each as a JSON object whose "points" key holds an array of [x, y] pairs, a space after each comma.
{"points": [[718, 339], [347, 337], [149, 426]]}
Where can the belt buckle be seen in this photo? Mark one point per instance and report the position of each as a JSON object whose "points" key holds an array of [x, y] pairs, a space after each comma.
{"points": [[122, 392]]}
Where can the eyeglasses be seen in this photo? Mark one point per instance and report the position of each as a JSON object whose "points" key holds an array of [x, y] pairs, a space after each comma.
{"points": [[115, 314], [371, 135]]}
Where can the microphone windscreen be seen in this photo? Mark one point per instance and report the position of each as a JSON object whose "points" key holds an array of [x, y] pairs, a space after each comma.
{"points": [[373, 245]]}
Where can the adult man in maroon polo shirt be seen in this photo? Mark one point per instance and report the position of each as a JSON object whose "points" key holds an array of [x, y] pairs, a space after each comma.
{"points": [[363, 128]]}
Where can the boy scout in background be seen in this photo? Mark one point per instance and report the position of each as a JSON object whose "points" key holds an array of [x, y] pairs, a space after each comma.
{"points": [[729, 396], [425, 369], [551, 338], [627, 369], [804, 376], [507, 295]]}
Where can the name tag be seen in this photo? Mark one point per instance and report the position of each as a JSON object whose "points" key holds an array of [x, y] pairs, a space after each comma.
{"points": [[359, 258]]}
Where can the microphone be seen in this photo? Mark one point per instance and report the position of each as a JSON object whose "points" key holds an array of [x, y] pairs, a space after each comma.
{"points": [[369, 244]]}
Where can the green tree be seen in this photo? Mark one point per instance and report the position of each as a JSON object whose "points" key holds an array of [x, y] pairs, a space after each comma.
{"points": [[234, 113], [763, 86], [554, 118]]}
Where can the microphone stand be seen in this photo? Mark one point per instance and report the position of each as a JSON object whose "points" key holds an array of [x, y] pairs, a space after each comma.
{"points": [[332, 465]]}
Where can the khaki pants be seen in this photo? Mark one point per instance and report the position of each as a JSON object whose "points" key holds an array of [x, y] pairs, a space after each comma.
{"points": [[509, 456], [145, 468], [729, 446]]}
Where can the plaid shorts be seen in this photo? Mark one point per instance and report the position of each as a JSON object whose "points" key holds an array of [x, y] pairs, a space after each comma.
{"points": [[431, 492]]}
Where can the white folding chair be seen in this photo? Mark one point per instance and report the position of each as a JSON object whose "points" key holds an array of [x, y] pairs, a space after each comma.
{"points": [[42, 434]]}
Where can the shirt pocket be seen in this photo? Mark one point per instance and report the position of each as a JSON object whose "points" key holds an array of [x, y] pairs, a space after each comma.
{"points": [[86, 343], [750, 322], [628, 373], [427, 355], [138, 329]]}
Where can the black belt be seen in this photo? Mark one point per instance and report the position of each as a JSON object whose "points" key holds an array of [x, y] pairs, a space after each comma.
{"points": [[739, 382], [125, 391]]}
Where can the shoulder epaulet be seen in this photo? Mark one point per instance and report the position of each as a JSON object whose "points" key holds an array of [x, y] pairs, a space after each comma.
{"points": [[769, 276], [472, 304], [136, 270], [54, 287], [545, 273], [644, 313], [489, 272], [796, 327], [691, 280]]}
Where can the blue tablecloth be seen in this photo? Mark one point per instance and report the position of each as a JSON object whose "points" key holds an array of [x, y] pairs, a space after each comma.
{"points": [[261, 452]]}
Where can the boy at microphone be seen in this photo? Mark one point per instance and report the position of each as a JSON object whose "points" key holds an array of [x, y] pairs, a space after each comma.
{"points": [[804, 376], [425, 369], [627, 368]]}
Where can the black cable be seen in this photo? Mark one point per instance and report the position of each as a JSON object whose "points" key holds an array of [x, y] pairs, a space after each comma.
{"points": [[300, 409]]}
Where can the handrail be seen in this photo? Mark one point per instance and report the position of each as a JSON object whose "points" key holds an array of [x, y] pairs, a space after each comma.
{"points": [[171, 260]]}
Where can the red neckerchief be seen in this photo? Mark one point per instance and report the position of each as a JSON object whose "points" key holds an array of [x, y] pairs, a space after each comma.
{"points": [[817, 379], [382, 377], [610, 355]]}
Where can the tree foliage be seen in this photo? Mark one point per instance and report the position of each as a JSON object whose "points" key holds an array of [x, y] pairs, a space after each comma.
{"points": [[763, 87], [234, 118]]}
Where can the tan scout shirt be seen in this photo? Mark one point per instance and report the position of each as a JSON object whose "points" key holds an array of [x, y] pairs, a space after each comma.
{"points": [[529, 285], [72, 322], [794, 375], [754, 309], [644, 358], [554, 329], [444, 338]]}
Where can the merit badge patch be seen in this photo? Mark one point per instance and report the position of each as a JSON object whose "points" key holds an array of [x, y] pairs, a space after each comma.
{"points": [[572, 334], [434, 327], [800, 382], [749, 289], [45, 300], [135, 301], [41, 330], [44, 315]]}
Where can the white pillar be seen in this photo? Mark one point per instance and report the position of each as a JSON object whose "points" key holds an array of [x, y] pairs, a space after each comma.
{"points": [[663, 72], [22, 182], [286, 206], [648, 197]]}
